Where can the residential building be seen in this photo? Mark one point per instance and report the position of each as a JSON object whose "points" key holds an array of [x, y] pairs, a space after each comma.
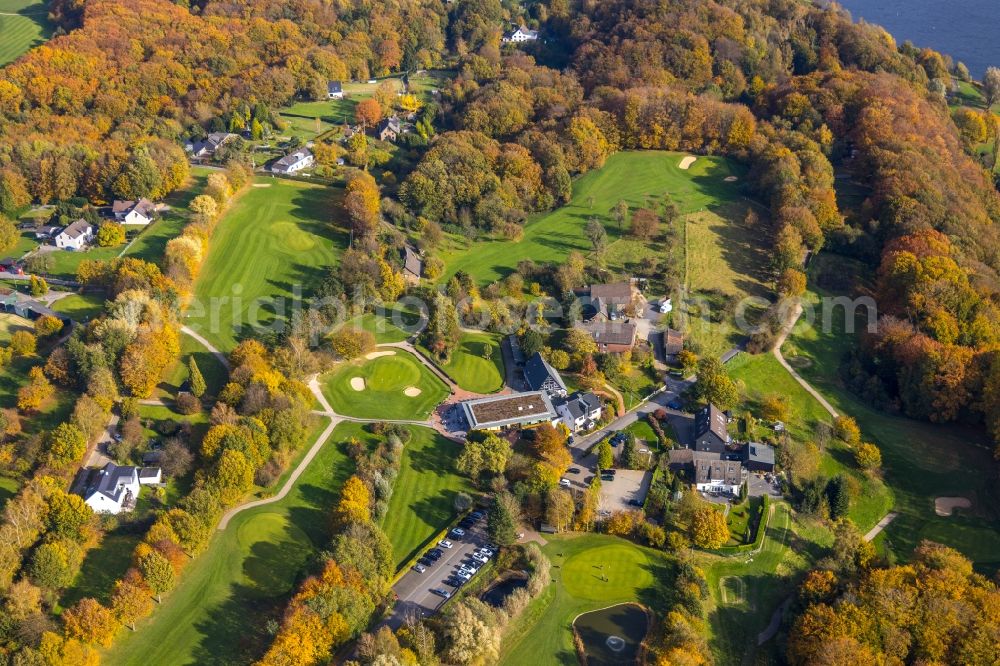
{"points": [[612, 336], [758, 457], [543, 377], [520, 34], [711, 431], [207, 146], [673, 343], [45, 232], [334, 90], [413, 265], [75, 236], [115, 489], [133, 212], [504, 411], [389, 129], [580, 411], [294, 162], [710, 472]]}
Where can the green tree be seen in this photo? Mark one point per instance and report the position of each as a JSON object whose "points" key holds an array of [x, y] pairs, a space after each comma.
{"points": [[52, 565], [838, 496], [597, 235], [256, 130], [38, 286], [715, 385], [605, 455], [505, 515], [158, 573], [68, 515], [630, 454], [195, 377], [67, 444]]}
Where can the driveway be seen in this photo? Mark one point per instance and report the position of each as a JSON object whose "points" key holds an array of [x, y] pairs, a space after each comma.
{"points": [[413, 589], [758, 486]]}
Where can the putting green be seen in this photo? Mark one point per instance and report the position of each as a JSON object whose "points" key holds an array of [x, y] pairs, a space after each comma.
{"points": [[591, 573], [386, 379]]}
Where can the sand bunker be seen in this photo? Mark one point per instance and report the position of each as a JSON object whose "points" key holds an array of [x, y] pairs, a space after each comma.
{"points": [[687, 162], [945, 506], [411, 391], [358, 383], [262, 184], [371, 355], [730, 179]]}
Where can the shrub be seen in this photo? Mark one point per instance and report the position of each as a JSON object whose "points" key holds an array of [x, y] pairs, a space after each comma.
{"points": [[187, 403]]}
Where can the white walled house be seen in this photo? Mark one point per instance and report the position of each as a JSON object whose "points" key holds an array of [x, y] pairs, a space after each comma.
{"points": [[334, 90], [579, 411], [520, 34], [294, 162], [115, 489], [134, 212], [76, 236]]}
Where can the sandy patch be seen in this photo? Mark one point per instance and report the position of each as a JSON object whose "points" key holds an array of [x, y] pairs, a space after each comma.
{"points": [[411, 391], [945, 506], [686, 162], [730, 179], [262, 184], [358, 383], [371, 355]]}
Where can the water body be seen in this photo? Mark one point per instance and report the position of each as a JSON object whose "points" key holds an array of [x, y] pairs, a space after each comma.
{"points": [[613, 636], [495, 595], [964, 29]]}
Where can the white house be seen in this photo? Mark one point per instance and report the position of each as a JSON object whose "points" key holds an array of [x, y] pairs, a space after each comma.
{"points": [[334, 90], [580, 411], [134, 212], [75, 236], [115, 489], [293, 162], [520, 34]]}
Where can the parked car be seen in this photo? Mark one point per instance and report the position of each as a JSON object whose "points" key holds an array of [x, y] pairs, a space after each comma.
{"points": [[444, 543], [675, 404], [453, 582], [564, 483], [457, 532], [441, 592], [607, 477], [485, 551], [573, 470], [425, 561], [676, 373], [491, 547], [436, 553], [634, 502], [467, 523], [419, 568], [482, 559], [463, 576], [477, 515]]}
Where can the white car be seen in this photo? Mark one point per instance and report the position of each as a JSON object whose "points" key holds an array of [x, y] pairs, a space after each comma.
{"points": [[458, 532], [485, 552], [468, 568], [479, 557], [564, 483], [444, 543], [463, 575]]}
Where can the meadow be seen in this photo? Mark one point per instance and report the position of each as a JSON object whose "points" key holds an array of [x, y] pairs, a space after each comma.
{"points": [[385, 380], [216, 613], [423, 496], [24, 24], [80, 307], [275, 242], [589, 571]]}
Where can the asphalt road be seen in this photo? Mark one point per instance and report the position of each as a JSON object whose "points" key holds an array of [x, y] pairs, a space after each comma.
{"points": [[414, 589]]}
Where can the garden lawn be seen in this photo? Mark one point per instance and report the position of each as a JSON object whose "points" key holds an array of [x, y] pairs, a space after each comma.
{"points": [[80, 307], [307, 120], [394, 324], [385, 379], [212, 370], [423, 497], [8, 488], [639, 178], [275, 242], [589, 572], [24, 24], [218, 611], [151, 243], [468, 367], [762, 375], [921, 460], [25, 243], [11, 323]]}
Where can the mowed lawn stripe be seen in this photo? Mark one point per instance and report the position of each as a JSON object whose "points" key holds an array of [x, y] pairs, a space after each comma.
{"points": [[423, 497], [270, 248], [20, 33]]}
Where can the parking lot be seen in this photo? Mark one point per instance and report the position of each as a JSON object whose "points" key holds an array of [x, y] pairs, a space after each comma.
{"points": [[414, 588], [629, 485]]}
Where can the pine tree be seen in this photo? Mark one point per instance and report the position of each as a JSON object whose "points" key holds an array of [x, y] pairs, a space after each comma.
{"points": [[197, 380]]}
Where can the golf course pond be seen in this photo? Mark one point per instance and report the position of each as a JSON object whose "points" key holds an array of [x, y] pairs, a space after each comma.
{"points": [[613, 635], [502, 589]]}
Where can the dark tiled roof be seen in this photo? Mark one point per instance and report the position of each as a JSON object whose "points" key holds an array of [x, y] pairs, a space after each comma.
{"points": [[334, 87], [760, 453], [612, 332], [77, 229], [619, 293], [109, 481], [711, 419], [539, 373], [412, 262]]}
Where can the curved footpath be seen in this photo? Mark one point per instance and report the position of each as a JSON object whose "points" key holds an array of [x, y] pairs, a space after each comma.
{"points": [[781, 359], [223, 359]]}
